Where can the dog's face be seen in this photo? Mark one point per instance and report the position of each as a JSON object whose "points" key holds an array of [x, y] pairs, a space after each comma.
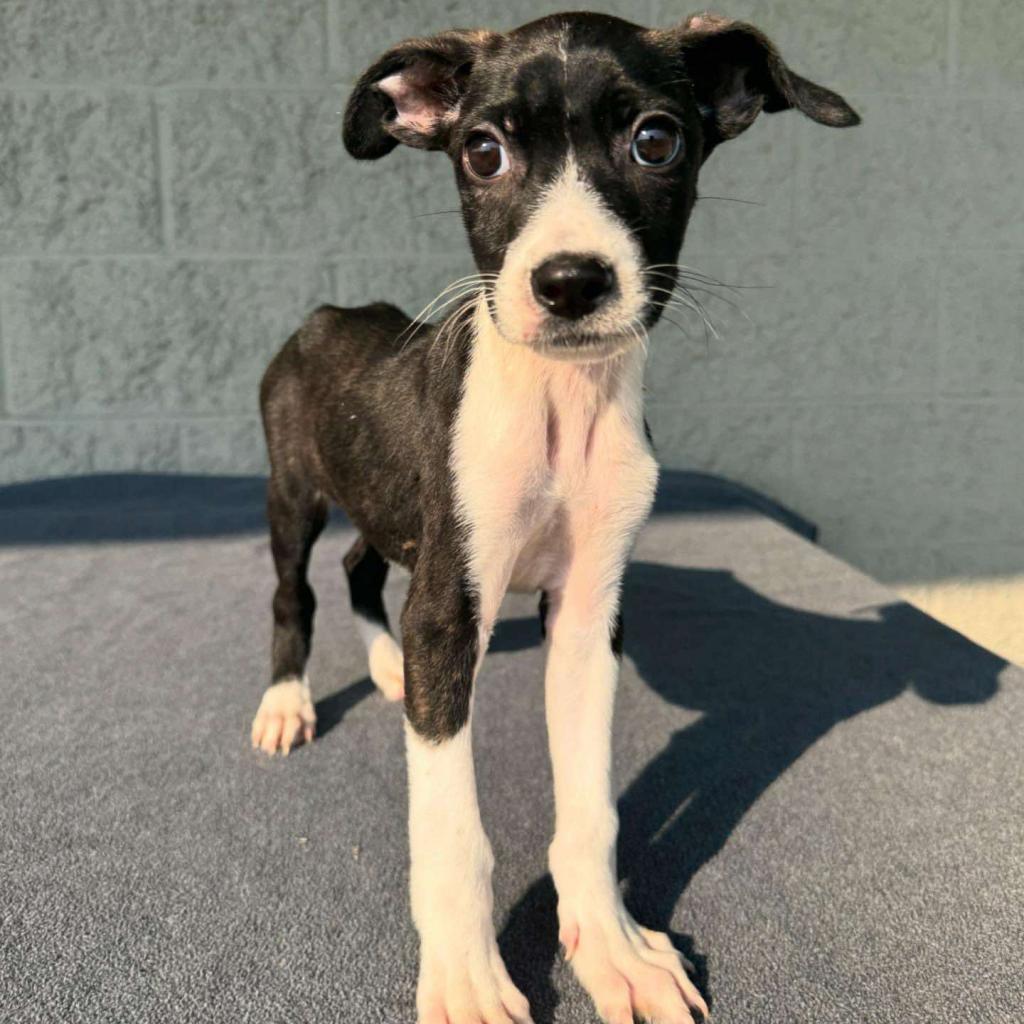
{"points": [[576, 142]]}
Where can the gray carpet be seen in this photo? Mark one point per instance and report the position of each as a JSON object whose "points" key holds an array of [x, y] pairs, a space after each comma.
{"points": [[822, 789]]}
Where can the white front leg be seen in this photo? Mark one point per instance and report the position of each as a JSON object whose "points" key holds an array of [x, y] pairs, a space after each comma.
{"points": [[462, 977], [628, 970]]}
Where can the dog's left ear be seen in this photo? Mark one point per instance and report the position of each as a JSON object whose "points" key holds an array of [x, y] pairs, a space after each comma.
{"points": [[737, 72], [411, 94]]}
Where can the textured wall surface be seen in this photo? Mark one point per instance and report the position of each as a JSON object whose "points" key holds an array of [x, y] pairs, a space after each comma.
{"points": [[174, 197]]}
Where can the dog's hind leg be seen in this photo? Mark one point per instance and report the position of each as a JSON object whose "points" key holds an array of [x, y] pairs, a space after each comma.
{"points": [[367, 570], [297, 514]]}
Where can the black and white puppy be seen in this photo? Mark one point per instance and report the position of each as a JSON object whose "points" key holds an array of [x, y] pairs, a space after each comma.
{"points": [[506, 448]]}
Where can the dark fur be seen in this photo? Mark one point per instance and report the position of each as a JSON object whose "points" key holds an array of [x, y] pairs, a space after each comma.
{"points": [[367, 572], [356, 417]]}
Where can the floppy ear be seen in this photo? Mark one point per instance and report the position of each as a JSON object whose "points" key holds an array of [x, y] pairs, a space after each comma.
{"points": [[411, 94], [736, 72]]}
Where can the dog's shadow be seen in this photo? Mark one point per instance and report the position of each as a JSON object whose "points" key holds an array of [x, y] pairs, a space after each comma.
{"points": [[331, 710], [771, 681]]}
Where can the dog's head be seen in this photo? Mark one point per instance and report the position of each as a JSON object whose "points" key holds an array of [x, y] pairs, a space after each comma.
{"points": [[576, 141]]}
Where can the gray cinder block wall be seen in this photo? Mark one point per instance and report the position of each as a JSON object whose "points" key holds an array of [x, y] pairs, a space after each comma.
{"points": [[174, 197]]}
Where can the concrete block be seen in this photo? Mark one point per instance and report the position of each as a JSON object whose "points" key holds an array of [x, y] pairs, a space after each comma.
{"points": [[155, 42], [748, 443], [409, 284], [986, 176], [862, 323], [365, 35], [873, 45], [990, 57], [956, 562], [974, 476], [982, 350], [266, 172], [154, 336], [33, 450], [233, 446], [856, 468], [885, 184], [748, 186], [78, 173], [918, 473], [749, 356]]}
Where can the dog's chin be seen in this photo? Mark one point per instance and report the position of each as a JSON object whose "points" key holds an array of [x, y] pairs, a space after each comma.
{"points": [[582, 346], [573, 345]]}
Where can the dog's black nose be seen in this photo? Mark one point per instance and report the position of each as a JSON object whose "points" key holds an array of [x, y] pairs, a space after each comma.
{"points": [[572, 286]]}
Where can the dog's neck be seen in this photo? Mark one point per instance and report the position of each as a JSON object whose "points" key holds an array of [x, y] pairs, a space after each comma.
{"points": [[530, 417], [535, 436]]}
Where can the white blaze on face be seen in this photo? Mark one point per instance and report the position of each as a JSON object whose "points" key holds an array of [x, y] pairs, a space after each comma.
{"points": [[571, 217]]}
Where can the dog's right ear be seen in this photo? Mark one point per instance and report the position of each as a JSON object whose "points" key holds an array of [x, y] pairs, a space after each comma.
{"points": [[411, 94], [736, 72]]}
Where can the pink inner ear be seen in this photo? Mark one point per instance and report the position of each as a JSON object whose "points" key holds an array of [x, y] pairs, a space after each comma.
{"points": [[418, 105], [705, 22]]}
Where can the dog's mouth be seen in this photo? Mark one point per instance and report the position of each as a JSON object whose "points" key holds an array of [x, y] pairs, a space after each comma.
{"points": [[581, 345], [606, 334]]}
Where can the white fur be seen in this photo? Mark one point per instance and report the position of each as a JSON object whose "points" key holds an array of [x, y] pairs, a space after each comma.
{"points": [[571, 217], [462, 977], [553, 478], [535, 440], [385, 656], [285, 717], [628, 970]]}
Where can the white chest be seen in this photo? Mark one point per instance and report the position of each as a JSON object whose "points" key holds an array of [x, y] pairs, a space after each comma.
{"points": [[543, 453]]}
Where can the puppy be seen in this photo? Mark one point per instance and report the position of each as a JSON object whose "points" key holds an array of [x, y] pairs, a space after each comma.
{"points": [[506, 447]]}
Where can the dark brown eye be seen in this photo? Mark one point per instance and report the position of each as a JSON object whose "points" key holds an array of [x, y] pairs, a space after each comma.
{"points": [[656, 142], [485, 156]]}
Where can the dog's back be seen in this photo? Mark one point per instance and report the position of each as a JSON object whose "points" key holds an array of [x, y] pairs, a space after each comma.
{"points": [[357, 407]]}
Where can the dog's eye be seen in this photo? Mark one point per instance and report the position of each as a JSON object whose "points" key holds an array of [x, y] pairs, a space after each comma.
{"points": [[656, 142], [485, 156]]}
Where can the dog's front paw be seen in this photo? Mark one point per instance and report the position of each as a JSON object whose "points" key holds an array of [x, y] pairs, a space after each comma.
{"points": [[460, 986], [285, 717], [630, 972]]}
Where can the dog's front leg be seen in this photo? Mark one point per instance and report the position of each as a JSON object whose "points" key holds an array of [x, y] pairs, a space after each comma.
{"points": [[628, 970], [462, 977]]}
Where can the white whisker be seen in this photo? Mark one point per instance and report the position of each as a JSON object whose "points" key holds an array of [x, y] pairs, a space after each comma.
{"points": [[445, 298]]}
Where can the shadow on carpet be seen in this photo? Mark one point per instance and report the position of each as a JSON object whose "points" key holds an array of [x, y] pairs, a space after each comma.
{"points": [[771, 681]]}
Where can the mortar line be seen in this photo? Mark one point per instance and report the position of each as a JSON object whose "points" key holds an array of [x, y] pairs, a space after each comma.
{"points": [[960, 400], [176, 416], [229, 256], [344, 77], [427, 258], [313, 88]]}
